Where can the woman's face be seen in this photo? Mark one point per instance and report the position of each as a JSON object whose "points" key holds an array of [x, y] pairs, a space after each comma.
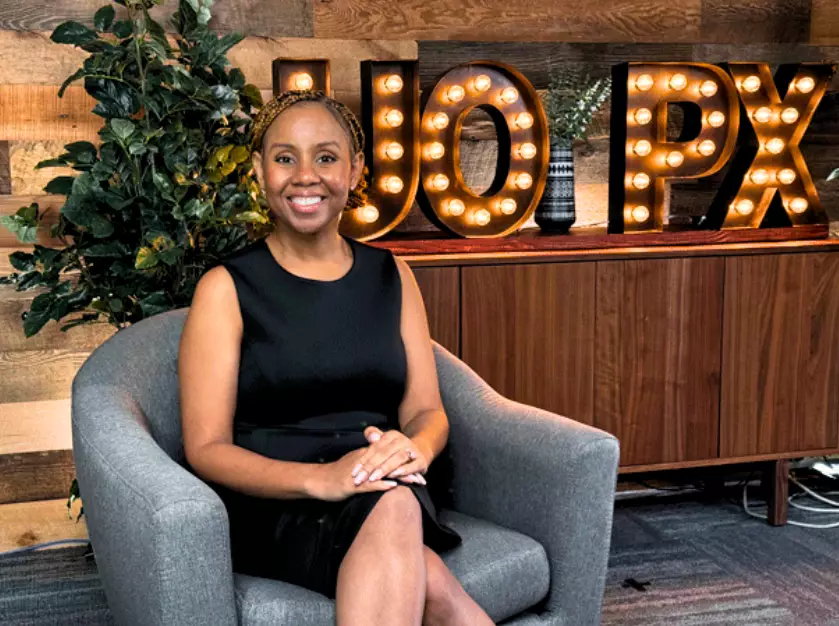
{"points": [[307, 169]]}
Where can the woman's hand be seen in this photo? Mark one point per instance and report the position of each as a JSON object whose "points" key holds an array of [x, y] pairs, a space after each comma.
{"points": [[333, 480], [391, 454]]}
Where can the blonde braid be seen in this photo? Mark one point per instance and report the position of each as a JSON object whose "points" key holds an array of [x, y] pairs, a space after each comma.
{"points": [[269, 112]]}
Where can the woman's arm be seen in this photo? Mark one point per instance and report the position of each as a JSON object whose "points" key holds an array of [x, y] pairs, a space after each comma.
{"points": [[208, 371], [421, 413]]}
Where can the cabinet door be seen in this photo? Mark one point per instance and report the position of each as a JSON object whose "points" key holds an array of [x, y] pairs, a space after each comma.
{"points": [[780, 389], [440, 287], [528, 330], [657, 366]]}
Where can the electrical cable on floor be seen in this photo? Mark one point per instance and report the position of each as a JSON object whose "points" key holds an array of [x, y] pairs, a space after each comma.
{"points": [[38, 546], [794, 504]]}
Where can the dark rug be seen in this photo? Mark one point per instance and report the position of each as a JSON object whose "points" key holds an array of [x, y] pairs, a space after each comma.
{"points": [[691, 561]]}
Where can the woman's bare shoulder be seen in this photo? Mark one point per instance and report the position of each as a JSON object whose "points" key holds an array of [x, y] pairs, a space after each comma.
{"points": [[215, 299]]}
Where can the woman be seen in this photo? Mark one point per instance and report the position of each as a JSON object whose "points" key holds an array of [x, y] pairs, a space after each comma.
{"points": [[309, 391]]}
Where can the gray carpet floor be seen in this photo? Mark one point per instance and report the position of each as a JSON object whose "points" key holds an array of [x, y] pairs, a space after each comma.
{"points": [[694, 561]]}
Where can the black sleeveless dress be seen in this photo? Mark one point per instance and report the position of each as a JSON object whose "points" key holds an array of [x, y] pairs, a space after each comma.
{"points": [[320, 361]]}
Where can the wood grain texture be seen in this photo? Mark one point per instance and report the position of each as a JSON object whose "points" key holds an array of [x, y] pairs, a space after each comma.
{"points": [[289, 18], [5, 169], [34, 476], [34, 426], [30, 523], [780, 354], [824, 22], [440, 289], [528, 331], [36, 113], [30, 375], [527, 20], [755, 21], [659, 325]]}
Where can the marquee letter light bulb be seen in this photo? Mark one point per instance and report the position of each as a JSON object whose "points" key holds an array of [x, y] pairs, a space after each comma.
{"points": [[393, 83], [640, 213], [455, 93], [744, 207], [639, 148], [435, 150], [390, 101], [523, 151], [779, 167], [304, 81], [440, 121]]}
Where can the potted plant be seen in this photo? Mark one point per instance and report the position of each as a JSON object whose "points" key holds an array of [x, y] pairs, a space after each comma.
{"points": [[166, 194], [570, 102]]}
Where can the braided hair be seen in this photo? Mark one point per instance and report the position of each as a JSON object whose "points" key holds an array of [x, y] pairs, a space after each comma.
{"points": [[349, 122]]}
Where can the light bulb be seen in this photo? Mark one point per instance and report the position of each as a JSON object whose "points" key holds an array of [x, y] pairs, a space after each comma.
{"points": [[482, 82], [744, 207], [678, 82], [508, 206], [455, 93], [527, 151], [524, 180], [789, 115], [393, 83], [751, 83], [759, 177], [394, 118], [763, 115], [440, 121], [716, 119], [641, 180], [642, 147], [706, 148], [798, 205], [392, 184], [303, 81], [394, 150], [455, 206], [509, 95], [643, 116], [369, 213], [708, 88], [435, 150], [775, 145], [482, 217], [640, 213], [524, 120], [675, 159], [786, 176], [440, 182], [644, 82], [805, 84]]}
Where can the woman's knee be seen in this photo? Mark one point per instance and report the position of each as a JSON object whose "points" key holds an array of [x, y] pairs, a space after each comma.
{"points": [[398, 507]]}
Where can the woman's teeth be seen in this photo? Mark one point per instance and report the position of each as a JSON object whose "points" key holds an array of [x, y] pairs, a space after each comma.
{"points": [[306, 203]]}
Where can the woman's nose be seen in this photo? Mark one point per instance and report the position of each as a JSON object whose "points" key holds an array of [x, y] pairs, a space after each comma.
{"points": [[305, 172]]}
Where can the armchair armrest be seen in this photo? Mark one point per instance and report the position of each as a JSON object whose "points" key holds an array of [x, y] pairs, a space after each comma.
{"points": [[537, 473], [160, 535]]}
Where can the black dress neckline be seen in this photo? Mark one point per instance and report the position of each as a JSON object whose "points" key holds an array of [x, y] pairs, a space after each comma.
{"points": [[264, 245]]}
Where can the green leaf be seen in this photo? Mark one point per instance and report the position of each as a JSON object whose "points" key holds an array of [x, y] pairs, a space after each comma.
{"points": [[122, 128], [22, 261], [834, 174], [103, 18], [154, 303], [60, 185], [81, 152], [111, 249], [123, 29], [24, 232], [72, 33], [146, 258]]}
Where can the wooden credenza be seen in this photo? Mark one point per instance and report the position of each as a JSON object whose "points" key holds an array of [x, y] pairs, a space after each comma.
{"points": [[690, 355]]}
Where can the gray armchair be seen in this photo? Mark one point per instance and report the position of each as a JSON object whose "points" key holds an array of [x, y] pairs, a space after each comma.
{"points": [[530, 492]]}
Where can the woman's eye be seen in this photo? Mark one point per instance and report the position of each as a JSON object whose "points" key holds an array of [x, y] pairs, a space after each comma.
{"points": [[283, 159], [328, 156]]}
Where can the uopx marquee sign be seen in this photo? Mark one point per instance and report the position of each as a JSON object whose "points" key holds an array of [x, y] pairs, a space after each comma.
{"points": [[737, 113]]}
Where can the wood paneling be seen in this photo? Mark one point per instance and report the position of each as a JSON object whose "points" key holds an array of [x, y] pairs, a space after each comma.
{"points": [[755, 21], [529, 332], [5, 169], [30, 523], [440, 289], [824, 23], [36, 475], [528, 20], [33, 426], [289, 18], [36, 113], [28, 375], [780, 359], [657, 361]]}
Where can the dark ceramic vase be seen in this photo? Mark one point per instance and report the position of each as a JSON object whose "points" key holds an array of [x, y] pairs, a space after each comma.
{"points": [[555, 212]]}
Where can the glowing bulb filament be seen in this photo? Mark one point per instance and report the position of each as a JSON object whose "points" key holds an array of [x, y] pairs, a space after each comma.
{"points": [[786, 176], [524, 120], [641, 180], [394, 118], [524, 180], [482, 83], [643, 116], [394, 151], [716, 119], [455, 93], [640, 213], [509, 95], [527, 151], [369, 213], [775, 145], [759, 177], [455, 206], [482, 217], [303, 81], [435, 150], [440, 121], [440, 182], [708, 88], [805, 84], [393, 83], [678, 82], [675, 159], [644, 82], [642, 147], [393, 184], [798, 205], [508, 206], [789, 115], [706, 148], [763, 115], [744, 207], [751, 83]]}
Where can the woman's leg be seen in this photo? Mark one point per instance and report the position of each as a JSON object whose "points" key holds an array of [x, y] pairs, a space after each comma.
{"points": [[446, 602], [382, 577]]}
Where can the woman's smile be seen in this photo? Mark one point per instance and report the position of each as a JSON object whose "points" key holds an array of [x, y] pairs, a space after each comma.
{"points": [[306, 203]]}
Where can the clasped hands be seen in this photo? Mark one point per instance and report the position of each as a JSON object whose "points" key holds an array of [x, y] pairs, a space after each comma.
{"points": [[391, 454]]}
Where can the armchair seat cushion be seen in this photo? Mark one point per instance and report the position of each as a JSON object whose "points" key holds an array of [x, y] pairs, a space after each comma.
{"points": [[503, 571]]}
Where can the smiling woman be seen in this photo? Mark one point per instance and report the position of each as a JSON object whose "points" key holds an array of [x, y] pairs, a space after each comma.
{"points": [[308, 379]]}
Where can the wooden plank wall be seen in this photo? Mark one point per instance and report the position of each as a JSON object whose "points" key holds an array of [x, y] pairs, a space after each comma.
{"points": [[35, 374]]}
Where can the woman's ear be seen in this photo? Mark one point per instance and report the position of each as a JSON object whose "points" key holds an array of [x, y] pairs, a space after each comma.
{"points": [[357, 169], [256, 160]]}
